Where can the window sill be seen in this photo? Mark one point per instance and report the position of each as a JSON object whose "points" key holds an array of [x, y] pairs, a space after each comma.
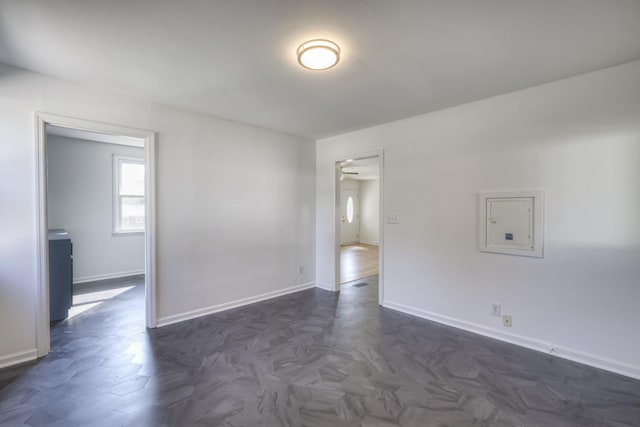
{"points": [[126, 232]]}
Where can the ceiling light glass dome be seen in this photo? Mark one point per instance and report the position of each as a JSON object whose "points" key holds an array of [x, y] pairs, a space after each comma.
{"points": [[318, 54]]}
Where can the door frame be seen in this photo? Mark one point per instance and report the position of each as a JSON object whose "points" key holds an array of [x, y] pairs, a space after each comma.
{"points": [[43, 334], [336, 208]]}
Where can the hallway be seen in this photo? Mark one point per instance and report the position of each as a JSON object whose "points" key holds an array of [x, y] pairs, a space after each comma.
{"points": [[358, 261]]}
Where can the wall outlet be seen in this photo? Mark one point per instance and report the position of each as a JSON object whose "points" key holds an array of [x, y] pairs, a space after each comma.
{"points": [[300, 269], [506, 321], [393, 219], [495, 309]]}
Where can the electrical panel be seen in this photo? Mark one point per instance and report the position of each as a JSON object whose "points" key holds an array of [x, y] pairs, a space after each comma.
{"points": [[511, 223]]}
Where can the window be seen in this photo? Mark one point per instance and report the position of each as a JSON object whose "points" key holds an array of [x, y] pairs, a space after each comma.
{"points": [[128, 195], [350, 209]]}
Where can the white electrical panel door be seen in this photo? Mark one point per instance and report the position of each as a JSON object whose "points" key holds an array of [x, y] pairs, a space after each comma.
{"points": [[511, 223]]}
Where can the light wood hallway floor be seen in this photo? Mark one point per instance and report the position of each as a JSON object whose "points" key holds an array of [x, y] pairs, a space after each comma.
{"points": [[358, 261]]}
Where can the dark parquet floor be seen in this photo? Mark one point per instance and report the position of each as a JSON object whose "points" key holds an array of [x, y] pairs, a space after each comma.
{"points": [[313, 358]]}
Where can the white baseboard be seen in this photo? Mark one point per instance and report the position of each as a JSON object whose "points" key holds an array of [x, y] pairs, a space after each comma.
{"points": [[18, 358], [530, 343], [169, 320], [325, 286], [369, 242], [86, 279]]}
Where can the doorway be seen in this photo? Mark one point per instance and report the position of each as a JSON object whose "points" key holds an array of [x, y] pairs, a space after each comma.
{"points": [[133, 203], [358, 222]]}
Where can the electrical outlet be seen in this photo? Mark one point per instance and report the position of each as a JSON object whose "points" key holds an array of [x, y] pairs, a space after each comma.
{"points": [[495, 309], [300, 270], [506, 321]]}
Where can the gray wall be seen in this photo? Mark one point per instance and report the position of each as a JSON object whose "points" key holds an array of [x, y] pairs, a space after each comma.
{"points": [[80, 188]]}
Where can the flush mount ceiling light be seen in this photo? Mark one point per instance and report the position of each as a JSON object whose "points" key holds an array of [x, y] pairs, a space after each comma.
{"points": [[318, 54]]}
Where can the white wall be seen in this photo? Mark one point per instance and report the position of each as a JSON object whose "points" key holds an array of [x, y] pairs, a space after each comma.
{"points": [[370, 211], [80, 190], [236, 204], [578, 140]]}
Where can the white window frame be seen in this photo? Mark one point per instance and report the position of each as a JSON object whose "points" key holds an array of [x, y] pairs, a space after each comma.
{"points": [[117, 205]]}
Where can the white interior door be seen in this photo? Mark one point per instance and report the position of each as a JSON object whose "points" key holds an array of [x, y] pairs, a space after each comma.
{"points": [[350, 217]]}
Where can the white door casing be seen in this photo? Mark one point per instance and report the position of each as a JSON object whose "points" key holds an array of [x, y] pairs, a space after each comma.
{"points": [[42, 292]]}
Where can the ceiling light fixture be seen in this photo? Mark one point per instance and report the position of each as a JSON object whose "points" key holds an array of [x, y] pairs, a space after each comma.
{"points": [[318, 54]]}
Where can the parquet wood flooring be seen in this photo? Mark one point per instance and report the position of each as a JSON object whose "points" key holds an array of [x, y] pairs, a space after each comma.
{"points": [[358, 261], [313, 358]]}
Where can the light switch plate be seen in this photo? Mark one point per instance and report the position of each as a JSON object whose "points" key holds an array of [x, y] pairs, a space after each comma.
{"points": [[393, 218]]}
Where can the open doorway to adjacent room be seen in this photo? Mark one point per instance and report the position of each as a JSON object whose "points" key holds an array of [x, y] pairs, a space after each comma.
{"points": [[96, 218], [95, 205], [359, 210]]}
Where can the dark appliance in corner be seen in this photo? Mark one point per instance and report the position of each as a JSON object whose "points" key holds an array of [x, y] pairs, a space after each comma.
{"points": [[60, 274]]}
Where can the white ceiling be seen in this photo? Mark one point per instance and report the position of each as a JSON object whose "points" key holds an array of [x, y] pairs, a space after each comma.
{"points": [[236, 59]]}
